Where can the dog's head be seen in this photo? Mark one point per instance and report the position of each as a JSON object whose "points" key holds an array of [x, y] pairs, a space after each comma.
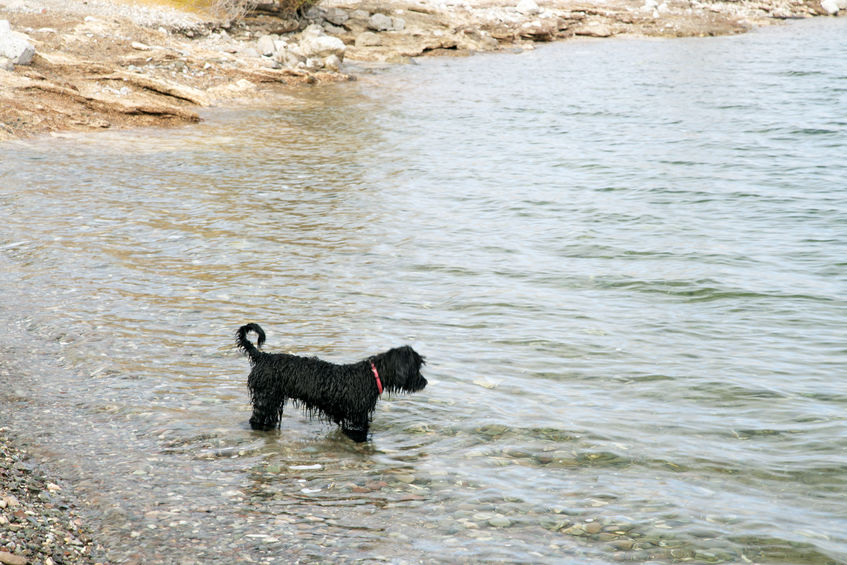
{"points": [[404, 365]]}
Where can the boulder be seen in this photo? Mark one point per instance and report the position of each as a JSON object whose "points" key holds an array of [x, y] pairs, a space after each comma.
{"points": [[830, 7], [380, 22], [290, 56], [528, 7], [15, 46], [316, 44], [473, 40], [332, 63], [541, 30], [266, 46], [336, 16], [368, 39], [594, 29]]}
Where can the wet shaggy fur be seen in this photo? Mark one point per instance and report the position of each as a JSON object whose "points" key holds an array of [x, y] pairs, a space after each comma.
{"points": [[343, 394]]}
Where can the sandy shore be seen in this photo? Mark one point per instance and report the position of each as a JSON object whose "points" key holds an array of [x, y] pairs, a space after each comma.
{"points": [[105, 64]]}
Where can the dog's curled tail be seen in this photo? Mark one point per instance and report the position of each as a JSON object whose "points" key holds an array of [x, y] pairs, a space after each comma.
{"points": [[244, 343]]}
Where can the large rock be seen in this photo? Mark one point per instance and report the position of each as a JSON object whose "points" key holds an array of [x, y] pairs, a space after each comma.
{"points": [[528, 7], [594, 29], [830, 7], [289, 55], [381, 22], [316, 44], [336, 16], [541, 30], [15, 46], [266, 45], [368, 39]]}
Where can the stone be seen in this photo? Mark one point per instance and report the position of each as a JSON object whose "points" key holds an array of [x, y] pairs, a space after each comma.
{"points": [[15, 46], [623, 544], [593, 528], [332, 63], [528, 7], [266, 46], [542, 30], [499, 522], [380, 22], [594, 29], [334, 30], [575, 530], [336, 16], [11, 559], [830, 7], [368, 39], [290, 55], [473, 40], [316, 44]]}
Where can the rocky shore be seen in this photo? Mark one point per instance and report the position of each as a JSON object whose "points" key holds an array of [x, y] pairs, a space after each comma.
{"points": [[102, 63], [38, 523]]}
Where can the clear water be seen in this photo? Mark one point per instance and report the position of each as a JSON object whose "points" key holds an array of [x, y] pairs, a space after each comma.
{"points": [[623, 259]]}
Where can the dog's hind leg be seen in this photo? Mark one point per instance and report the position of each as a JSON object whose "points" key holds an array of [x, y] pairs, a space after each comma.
{"points": [[357, 431]]}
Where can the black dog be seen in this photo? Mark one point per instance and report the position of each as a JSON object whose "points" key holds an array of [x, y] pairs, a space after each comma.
{"points": [[343, 394]]}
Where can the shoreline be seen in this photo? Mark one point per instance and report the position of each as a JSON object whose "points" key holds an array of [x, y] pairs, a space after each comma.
{"points": [[105, 64]]}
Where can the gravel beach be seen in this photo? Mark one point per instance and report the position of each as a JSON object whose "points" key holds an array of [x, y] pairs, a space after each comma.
{"points": [[38, 522]]}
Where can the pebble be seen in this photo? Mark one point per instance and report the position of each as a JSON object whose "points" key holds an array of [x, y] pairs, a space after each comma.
{"points": [[11, 559], [575, 530], [623, 544], [593, 528], [499, 522]]}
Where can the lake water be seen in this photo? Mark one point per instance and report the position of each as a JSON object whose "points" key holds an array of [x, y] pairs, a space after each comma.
{"points": [[625, 262]]}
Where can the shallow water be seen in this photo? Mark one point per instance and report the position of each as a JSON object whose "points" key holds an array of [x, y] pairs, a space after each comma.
{"points": [[624, 261]]}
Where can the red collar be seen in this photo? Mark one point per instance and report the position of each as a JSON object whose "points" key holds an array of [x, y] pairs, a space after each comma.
{"points": [[376, 376]]}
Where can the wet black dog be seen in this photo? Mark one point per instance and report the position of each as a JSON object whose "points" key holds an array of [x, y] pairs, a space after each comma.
{"points": [[343, 394]]}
